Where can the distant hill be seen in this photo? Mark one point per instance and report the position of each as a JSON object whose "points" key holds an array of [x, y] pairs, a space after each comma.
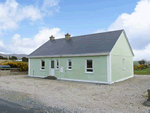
{"points": [[19, 56]]}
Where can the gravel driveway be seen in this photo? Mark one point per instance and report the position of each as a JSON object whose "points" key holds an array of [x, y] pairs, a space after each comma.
{"points": [[125, 97]]}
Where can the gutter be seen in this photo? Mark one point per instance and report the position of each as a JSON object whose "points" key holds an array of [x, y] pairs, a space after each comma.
{"points": [[71, 55]]}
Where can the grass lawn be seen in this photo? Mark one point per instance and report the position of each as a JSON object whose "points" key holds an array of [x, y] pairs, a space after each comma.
{"points": [[142, 72]]}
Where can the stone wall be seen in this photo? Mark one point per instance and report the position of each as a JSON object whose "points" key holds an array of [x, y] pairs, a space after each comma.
{"points": [[4, 72], [10, 72]]}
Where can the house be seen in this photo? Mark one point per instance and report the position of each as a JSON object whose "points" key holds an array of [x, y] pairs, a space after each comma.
{"points": [[100, 58]]}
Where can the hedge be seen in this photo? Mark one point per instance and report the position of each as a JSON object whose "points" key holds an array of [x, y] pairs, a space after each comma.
{"points": [[22, 65]]}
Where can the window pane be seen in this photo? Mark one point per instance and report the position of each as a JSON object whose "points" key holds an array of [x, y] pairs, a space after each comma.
{"points": [[89, 70], [43, 63], [69, 62], [70, 67], [52, 64], [89, 64]]}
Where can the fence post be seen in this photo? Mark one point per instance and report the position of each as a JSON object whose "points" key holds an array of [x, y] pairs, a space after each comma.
{"points": [[148, 95]]}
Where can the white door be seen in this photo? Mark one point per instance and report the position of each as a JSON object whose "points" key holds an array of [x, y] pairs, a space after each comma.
{"points": [[52, 67]]}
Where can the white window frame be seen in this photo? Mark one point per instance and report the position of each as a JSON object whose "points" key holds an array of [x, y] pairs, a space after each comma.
{"points": [[57, 67], [41, 65], [68, 64], [89, 68], [124, 63]]}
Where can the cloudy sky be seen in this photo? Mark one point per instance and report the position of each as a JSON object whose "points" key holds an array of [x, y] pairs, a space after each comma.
{"points": [[27, 24]]}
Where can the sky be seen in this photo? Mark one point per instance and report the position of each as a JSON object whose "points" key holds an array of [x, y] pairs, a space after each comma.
{"points": [[27, 24]]}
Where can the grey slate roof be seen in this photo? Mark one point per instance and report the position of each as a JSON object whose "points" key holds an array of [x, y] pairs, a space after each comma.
{"points": [[85, 44]]}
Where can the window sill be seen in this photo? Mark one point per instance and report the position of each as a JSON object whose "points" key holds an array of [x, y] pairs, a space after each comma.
{"points": [[57, 69], [42, 69], [88, 72], [69, 69]]}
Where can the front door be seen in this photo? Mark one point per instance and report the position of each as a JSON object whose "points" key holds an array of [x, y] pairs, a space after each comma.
{"points": [[52, 67]]}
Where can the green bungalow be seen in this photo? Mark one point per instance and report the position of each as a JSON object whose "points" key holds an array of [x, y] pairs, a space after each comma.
{"points": [[99, 58]]}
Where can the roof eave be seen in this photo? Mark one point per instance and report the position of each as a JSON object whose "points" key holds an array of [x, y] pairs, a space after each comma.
{"points": [[71, 55]]}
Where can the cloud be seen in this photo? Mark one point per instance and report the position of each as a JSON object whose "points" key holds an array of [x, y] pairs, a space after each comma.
{"points": [[27, 45], [12, 13], [47, 4], [100, 31], [137, 27], [142, 54], [136, 24]]}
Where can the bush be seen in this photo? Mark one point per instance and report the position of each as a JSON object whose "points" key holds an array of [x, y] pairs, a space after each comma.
{"points": [[23, 66], [142, 66], [24, 59], [135, 68], [142, 62]]}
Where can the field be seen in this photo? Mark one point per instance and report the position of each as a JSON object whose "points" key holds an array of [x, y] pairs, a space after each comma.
{"points": [[142, 72], [5, 61]]}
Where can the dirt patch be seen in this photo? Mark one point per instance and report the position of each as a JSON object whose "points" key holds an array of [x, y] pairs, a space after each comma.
{"points": [[126, 96]]}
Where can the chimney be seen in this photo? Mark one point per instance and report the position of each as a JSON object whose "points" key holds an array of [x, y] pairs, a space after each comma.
{"points": [[67, 36], [52, 38]]}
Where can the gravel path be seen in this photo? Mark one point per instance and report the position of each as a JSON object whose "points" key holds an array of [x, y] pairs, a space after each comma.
{"points": [[64, 96], [16, 102]]}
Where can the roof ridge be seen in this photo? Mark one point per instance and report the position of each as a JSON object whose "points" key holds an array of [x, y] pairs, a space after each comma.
{"points": [[93, 34], [98, 33]]}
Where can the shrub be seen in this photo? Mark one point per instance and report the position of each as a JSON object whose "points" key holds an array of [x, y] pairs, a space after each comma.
{"points": [[142, 62], [4, 63], [135, 68], [24, 59], [142, 66], [23, 66]]}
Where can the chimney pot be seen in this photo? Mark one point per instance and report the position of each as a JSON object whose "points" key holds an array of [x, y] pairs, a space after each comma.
{"points": [[52, 37], [67, 36]]}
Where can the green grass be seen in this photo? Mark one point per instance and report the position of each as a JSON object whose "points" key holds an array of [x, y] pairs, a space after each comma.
{"points": [[142, 72]]}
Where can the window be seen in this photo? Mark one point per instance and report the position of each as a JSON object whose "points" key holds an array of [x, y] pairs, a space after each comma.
{"points": [[52, 63], [123, 63], [69, 65], [57, 64], [42, 64], [89, 66]]}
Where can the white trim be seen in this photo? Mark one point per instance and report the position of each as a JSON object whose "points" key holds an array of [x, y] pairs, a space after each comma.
{"points": [[109, 68], [56, 64], [89, 54], [28, 66], [115, 43], [89, 68], [50, 67], [37, 76], [41, 65], [127, 42], [132, 67], [84, 81], [124, 78], [88, 72], [68, 64]]}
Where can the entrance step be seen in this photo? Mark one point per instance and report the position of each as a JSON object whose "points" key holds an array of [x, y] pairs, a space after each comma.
{"points": [[51, 77]]}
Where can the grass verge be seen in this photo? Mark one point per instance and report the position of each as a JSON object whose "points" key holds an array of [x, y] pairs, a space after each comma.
{"points": [[142, 72]]}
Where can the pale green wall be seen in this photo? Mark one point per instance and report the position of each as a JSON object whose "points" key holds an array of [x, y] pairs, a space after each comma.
{"points": [[78, 68], [121, 50]]}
